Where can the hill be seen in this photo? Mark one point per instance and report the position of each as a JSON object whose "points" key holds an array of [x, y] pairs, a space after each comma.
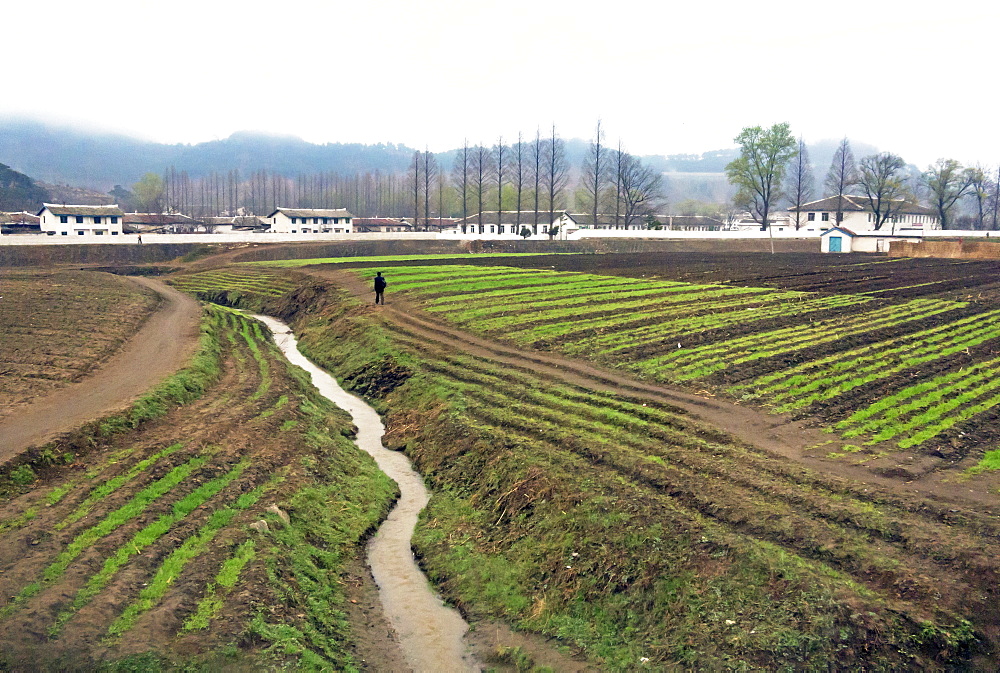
{"points": [[18, 191]]}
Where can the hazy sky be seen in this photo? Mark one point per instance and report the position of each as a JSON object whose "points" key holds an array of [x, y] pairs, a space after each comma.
{"points": [[665, 77]]}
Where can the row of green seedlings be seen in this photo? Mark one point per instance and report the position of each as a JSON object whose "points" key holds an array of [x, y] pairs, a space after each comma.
{"points": [[258, 283], [685, 364], [563, 308], [798, 387], [919, 412], [644, 475], [131, 510], [300, 572]]}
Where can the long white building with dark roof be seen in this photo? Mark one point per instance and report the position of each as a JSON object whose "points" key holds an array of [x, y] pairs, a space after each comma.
{"points": [[311, 221], [63, 220]]}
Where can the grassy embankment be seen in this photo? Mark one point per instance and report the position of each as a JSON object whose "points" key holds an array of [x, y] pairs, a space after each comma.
{"points": [[129, 541], [625, 529]]}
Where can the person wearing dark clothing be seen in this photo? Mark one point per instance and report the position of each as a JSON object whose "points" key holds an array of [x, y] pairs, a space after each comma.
{"points": [[380, 288]]}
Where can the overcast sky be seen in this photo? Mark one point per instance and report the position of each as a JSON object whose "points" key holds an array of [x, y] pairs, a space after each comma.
{"points": [[665, 77]]}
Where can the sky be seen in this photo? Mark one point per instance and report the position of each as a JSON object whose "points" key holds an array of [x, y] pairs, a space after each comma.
{"points": [[664, 77]]}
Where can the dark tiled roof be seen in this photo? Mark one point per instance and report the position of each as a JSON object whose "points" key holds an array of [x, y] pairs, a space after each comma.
{"points": [[157, 218], [312, 212], [855, 203], [87, 211]]}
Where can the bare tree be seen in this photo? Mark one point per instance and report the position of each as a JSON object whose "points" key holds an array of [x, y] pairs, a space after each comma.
{"points": [[415, 176], [499, 170], [882, 180], [537, 170], [619, 162], [800, 184], [946, 182], [556, 171], [481, 169], [460, 174], [843, 174], [595, 170], [995, 201], [518, 175], [640, 187], [430, 174]]}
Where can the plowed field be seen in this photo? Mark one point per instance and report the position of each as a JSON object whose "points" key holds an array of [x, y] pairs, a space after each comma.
{"points": [[57, 326]]}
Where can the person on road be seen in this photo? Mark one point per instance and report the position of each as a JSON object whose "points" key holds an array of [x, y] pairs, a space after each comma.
{"points": [[380, 288]]}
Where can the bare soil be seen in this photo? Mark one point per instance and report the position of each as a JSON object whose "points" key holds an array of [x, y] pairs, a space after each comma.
{"points": [[155, 350]]}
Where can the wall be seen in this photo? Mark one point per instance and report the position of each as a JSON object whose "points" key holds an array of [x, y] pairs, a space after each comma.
{"points": [[961, 249]]}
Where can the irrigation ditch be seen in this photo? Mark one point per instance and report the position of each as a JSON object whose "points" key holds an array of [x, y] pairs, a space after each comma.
{"points": [[430, 633]]}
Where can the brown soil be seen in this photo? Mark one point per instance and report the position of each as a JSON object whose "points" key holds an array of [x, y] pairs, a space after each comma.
{"points": [[165, 341], [782, 434]]}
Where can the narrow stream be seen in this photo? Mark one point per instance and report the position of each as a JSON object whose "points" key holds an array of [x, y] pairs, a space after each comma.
{"points": [[430, 633]]}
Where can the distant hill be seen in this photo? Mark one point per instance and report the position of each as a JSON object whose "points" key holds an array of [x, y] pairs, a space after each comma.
{"points": [[19, 192], [63, 157]]}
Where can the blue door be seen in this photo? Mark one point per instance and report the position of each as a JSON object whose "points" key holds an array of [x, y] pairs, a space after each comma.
{"points": [[835, 244]]}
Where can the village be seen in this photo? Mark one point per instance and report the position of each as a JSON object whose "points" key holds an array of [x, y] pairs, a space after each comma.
{"points": [[854, 232]]}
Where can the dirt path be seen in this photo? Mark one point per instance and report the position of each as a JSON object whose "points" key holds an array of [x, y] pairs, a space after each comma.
{"points": [[159, 348], [776, 433]]}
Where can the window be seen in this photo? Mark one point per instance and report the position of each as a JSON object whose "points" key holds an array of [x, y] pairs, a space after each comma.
{"points": [[63, 219], [65, 233], [826, 217], [97, 219], [99, 232], [811, 217], [114, 233], [114, 219], [79, 220], [80, 232], [326, 220]]}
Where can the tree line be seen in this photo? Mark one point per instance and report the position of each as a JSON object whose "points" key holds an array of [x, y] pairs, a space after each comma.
{"points": [[773, 169], [529, 177]]}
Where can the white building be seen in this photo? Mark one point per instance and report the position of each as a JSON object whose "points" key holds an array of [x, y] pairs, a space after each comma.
{"points": [[56, 220], [842, 239], [857, 216], [311, 221]]}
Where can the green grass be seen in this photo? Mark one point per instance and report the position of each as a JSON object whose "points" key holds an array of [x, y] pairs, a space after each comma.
{"points": [[212, 602]]}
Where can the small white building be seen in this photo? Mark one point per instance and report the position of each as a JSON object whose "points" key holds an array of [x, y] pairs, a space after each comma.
{"points": [[842, 239], [857, 216], [56, 220], [311, 221]]}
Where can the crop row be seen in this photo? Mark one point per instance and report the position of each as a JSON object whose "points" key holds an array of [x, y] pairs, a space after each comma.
{"points": [[824, 378], [570, 511], [251, 281], [136, 549], [922, 411], [699, 362]]}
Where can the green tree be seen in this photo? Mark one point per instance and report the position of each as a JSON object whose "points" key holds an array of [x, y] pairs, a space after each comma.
{"points": [[881, 178], [525, 232], [946, 182], [148, 193], [759, 170]]}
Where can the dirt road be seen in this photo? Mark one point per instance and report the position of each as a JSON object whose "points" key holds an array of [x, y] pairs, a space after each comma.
{"points": [[163, 344]]}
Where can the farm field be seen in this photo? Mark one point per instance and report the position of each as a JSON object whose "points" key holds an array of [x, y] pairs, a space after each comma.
{"points": [[626, 529], [893, 369], [129, 542], [58, 325]]}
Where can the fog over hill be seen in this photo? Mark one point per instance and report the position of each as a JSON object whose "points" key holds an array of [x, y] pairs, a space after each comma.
{"points": [[63, 155]]}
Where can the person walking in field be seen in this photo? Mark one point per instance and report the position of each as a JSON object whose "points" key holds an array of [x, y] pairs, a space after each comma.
{"points": [[380, 288]]}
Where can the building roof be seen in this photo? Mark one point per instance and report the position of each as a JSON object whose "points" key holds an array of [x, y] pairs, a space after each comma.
{"points": [[157, 219], [506, 217], [690, 220], [855, 203], [381, 222], [19, 218], [87, 211], [312, 212], [871, 234]]}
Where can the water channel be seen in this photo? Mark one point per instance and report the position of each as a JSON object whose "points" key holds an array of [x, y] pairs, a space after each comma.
{"points": [[430, 633]]}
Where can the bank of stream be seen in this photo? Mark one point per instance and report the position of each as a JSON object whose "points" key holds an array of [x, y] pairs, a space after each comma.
{"points": [[430, 633]]}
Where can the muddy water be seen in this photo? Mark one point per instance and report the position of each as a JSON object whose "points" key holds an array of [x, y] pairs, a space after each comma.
{"points": [[430, 633]]}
